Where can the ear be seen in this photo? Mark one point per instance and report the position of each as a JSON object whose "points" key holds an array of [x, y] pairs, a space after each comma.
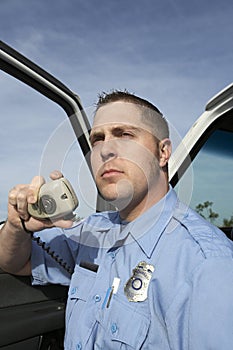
{"points": [[165, 150]]}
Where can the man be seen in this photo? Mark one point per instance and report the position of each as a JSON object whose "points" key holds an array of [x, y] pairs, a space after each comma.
{"points": [[150, 275]]}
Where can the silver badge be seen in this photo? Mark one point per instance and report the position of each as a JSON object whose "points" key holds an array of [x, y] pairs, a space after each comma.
{"points": [[137, 286]]}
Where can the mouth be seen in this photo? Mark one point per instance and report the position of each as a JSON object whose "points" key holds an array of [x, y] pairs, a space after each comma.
{"points": [[107, 173]]}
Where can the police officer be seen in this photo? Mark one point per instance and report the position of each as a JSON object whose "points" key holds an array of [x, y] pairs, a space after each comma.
{"points": [[150, 275]]}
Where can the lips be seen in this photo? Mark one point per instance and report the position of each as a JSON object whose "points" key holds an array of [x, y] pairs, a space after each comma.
{"points": [[111, 172]]}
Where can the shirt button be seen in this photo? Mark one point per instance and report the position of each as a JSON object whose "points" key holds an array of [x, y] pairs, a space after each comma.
{"points": [[97, 298], [79, 346], [113, 327], [73, 290], [113, 255]]}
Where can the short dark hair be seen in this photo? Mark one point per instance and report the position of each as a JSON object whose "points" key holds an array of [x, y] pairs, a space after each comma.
{"points": [[150, 113]]}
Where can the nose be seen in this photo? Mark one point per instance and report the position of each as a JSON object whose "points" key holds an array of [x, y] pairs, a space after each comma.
{"points": [[108, 150]]}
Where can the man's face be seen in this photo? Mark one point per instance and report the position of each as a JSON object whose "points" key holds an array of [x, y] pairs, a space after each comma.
{"points": [[124, 154]]}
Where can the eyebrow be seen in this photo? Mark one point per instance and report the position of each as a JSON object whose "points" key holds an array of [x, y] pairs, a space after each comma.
{"points": [[114, 128]]}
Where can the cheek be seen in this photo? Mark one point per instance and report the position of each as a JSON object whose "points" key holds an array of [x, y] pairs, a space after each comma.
{"points": [[141, 158], [146, 170], [95, 164]]}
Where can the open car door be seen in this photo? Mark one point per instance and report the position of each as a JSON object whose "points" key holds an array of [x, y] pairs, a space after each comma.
{"points": [[33, 317], [201, 168]]}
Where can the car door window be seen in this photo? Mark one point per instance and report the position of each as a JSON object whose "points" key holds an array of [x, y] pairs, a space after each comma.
{"points": [[36, 137], [212, 170]]}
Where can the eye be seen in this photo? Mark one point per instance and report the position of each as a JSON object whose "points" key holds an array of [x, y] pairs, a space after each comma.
{"points": [[96, 139], [127, 134]]}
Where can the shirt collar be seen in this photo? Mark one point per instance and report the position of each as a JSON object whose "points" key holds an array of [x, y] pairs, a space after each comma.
{"points": [[147, 228]]}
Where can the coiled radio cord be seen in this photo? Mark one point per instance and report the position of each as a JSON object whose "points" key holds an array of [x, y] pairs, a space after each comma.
{"points": [[48, 249]]}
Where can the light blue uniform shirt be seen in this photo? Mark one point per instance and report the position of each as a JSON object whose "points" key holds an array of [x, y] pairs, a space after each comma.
{"points": [[189, 302]]}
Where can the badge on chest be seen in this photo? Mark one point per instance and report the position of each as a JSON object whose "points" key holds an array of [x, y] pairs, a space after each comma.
{"points": [[137, 286]]}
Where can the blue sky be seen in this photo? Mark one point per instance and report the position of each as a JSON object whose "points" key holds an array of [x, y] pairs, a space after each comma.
{"points": [[176, 53]]}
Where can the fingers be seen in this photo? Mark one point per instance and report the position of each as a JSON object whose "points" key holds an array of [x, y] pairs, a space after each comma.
{"points": [[18, 199], [56, 174], [34, 188], [21, 195], [61, 223], [38, 225]]}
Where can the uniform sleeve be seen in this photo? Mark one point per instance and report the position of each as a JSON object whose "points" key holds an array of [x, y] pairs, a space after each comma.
{"points": [[45, 269], [201, 316]]}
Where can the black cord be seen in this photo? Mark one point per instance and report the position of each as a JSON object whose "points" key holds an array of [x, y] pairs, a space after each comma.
{"points": [[47, 249], [24, 227], [53, 255]]}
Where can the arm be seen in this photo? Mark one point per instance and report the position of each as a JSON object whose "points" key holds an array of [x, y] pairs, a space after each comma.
{"points": [[211, 314], [201, 316], [15, 250]]}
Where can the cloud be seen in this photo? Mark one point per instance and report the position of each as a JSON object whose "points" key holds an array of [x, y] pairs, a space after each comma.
{"points": [[174, 53]]}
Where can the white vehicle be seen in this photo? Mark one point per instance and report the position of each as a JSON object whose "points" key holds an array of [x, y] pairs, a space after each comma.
{"points": [[200, 169], [202, 166]]}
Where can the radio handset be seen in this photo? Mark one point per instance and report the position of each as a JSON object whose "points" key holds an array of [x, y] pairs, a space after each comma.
{"points": [[56, 199]]}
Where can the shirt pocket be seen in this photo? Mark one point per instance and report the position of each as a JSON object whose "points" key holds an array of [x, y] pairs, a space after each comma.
{"points": [[126, 327], [81, 284], [78, 309]]}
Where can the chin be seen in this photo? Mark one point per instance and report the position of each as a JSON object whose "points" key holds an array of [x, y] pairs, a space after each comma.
{"points": [[109, 197], [119, 194], [120, 203]]}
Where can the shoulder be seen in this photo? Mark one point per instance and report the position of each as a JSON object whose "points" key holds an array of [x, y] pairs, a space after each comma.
{"points": [[101, 219], [211, 240]]}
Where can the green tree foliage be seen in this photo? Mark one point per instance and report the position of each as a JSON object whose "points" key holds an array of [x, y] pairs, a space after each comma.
{"points": [[228, 222], [205, 210]]}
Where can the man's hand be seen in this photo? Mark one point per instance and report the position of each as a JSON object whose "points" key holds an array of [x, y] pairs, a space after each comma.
{"points": [[15, 243], [19, 198]]}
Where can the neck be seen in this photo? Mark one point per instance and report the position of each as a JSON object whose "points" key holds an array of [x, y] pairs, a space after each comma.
{"points": [[139, 206]]}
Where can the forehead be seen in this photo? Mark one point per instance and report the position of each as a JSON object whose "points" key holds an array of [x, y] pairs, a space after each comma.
{"points": [[118, 113]]}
